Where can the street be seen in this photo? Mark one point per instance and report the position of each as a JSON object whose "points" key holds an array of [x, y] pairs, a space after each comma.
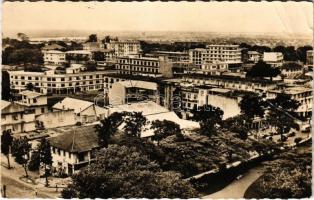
{"points": [[237, 188], [16, 188]]}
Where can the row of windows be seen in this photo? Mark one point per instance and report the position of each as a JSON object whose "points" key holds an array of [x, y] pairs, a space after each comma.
{"points": [[138, 62], [139, 69]]}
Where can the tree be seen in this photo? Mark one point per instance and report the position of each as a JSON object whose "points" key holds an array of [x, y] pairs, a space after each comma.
{"points": [[34, 163], [209, 118], [6, 144], [45, 156], [301, 52], [251, 106], [108, 128], [20, 150], [237, 125], [106, 39], [22, 37], [91, 66], [92, 38], [163, 129], [134, 123], [5, 86], [262, 69], [98, 56], [122, 172]]}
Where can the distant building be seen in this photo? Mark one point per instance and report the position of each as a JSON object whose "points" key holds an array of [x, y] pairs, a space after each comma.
{"points": [[53, 47], [93, 46], [16, 118], [275, 59], [129, 91], [154, 67], [254, 56], [34, 101], [291, 70], [230, 54], [125, 48], [174, 56], [309, 57], [54, 57], [85, 111], [73, 150]]}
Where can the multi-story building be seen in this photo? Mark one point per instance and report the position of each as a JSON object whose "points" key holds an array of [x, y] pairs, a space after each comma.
{"points": [[54, 57], [93, 46], [131, 90], [73, 150], [309, 58], [275, 59], [58, 83], [16, 118], [174, 56], [33, 101], [230, 54], [231, 82], [291, 70], [254, 56], [125, 48], [53, 47], [304, 95], [154, 67]]}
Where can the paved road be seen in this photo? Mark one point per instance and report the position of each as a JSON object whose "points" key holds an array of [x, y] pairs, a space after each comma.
{"points": [[237, 188], [17, 188]]}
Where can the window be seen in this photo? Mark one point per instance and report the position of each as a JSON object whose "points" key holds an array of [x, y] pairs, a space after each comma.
{"points": [[48, 79], [59, 152], [70, 155], [29, 78], [62, 79], [42, 110], [63, 153], [53, 149], [34, 100]]}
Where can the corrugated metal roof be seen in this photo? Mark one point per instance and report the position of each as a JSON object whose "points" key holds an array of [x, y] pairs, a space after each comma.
{"points": [[72, 104]]}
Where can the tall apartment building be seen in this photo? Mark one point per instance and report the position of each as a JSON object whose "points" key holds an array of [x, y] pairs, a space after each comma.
{"points": [[125, 48], [230, 54], [68, 82], [154, 67]]}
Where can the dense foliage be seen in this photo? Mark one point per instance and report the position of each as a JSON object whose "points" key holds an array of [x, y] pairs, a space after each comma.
{"points": [[289, 176], [123, 172]]}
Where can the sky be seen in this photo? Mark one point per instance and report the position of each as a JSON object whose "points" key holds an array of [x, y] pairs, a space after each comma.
{"points": [[233, 17]]}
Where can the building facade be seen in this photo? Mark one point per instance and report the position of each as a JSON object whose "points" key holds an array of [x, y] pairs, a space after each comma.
{"points": [[230, 54], [16, 118], [58, 83], [275, 59], [54, 57], [125, 48]]}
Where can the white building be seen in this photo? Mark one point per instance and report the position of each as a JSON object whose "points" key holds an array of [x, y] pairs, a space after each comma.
{"points": [[131, 90], [84, 111], [73, 150], [74, 80], [230, 54], [16, 118], [125, 48], [93, 46], [54, 57], [34, 101], [275, 59]]}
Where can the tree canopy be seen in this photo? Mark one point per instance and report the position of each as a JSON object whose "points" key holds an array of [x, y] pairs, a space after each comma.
{"points": [[122, 172], [261, 69]]}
